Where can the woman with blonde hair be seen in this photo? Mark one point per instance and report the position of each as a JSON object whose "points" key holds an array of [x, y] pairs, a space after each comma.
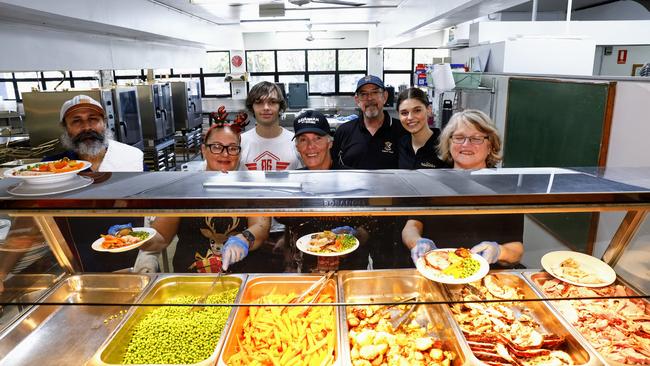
{"points": [[470, 141]]}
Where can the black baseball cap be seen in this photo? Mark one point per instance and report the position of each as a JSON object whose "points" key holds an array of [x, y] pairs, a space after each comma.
{"points": [[311, 121]]}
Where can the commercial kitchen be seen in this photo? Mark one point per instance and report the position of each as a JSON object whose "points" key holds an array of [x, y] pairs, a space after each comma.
{"points": [[563, 82]]}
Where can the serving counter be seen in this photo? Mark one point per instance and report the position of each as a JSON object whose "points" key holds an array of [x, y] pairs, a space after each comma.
{"points": [[84, 318]]}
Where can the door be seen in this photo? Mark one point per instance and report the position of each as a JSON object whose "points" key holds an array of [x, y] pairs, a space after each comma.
{"points": [[128, 117]]}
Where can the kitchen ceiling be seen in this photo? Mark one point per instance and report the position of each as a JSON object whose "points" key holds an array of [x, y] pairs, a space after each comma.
{"points": [[323, 16]]}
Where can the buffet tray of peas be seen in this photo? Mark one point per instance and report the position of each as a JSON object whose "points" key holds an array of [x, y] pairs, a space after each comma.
{"points": [[182, 322]]}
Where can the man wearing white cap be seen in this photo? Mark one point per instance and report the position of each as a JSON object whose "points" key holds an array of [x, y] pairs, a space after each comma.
{"points": [[87, 137]]}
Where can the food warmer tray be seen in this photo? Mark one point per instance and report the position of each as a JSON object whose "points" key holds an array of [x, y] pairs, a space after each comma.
{"points": [[23, 288], [575, 346], [537, 279], [70, 334], [259, 285], [383, 286], [166, 287]]}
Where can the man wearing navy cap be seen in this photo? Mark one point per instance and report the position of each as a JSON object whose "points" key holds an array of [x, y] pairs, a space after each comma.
{"points": [[369, 142]]}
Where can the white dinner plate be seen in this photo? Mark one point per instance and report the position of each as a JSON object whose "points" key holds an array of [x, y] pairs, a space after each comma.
{"points": [[438, 276], [47, 178], [303, 245], [551, 263], [97, 244], [24, 189]]}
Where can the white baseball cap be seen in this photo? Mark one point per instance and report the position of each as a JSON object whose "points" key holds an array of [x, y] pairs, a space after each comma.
{"points": [[79, 102]]}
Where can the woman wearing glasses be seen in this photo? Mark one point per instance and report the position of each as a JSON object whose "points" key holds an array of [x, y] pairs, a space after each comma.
{"points": [[469, 142], [210, 244]]}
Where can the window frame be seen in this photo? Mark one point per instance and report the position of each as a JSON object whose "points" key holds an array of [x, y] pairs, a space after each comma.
{"points": [[307, 73], [215, 74], [411, 72]]}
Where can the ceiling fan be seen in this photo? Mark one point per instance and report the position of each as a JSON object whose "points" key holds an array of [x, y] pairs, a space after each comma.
{"points": [[310, 37], [334, 2]]}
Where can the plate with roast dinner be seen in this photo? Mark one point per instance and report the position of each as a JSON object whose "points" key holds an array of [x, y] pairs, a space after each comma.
{"points": [[452, 266]]}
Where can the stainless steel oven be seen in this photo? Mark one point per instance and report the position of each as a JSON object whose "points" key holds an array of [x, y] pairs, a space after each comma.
{"points": [[128, 128], [186, 96], [156, 111]]}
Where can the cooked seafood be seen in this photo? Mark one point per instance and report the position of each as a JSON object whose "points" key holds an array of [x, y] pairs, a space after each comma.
{"points": [[504, 333], [373, 341], [571, 270], [617, 328]]}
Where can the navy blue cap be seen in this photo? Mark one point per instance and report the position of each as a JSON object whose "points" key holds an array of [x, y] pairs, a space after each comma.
{"points": [[311, 121], [369, 79]]}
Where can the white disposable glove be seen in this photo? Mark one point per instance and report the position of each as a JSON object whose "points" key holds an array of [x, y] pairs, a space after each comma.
{"points": [[490, 250], [422, 246], [146, 262], [233, 251]]}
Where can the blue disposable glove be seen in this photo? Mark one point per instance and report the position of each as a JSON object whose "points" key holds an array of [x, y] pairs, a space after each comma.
{"points": [[490, 250], [115, 229], [345, 230], [422, 246], [233, 251]]}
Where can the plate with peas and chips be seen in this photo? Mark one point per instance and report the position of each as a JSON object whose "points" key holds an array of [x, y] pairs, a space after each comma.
{"points": [[452, 266]]}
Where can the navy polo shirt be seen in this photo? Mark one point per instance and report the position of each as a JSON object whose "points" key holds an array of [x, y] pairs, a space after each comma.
{"points": [[355, 148], [425, 158]]}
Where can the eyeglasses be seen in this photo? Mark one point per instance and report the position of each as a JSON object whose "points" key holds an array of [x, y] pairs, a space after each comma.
{"points": [[474, 140], [370, 94], [218, 149], [304, 141]]}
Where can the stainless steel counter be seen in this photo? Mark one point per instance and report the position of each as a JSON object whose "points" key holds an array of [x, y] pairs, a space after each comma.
{"points": [[349, 191]]}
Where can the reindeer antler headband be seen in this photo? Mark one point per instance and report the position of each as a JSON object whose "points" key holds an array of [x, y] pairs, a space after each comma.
{"points": [[218, 119]]}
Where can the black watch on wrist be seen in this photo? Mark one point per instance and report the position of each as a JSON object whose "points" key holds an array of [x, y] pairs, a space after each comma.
{"points": [[250, 237]]}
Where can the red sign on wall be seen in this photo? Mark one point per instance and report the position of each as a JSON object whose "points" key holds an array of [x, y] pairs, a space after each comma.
{"points": [[622, 57]]}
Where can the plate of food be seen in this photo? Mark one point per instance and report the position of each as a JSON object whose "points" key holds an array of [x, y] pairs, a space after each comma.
{"points": [[124, 240], [578, 269], [327, 244], [452, 266], [48, 172]]}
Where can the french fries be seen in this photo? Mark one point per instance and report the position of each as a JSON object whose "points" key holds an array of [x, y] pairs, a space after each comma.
{"points": [[271, 336]]}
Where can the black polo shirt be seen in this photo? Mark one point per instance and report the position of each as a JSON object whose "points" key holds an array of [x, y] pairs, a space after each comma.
{"points": [[425, 158], [355, 148]]}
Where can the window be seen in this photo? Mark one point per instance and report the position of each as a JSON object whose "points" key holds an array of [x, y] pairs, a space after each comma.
{"points": [[7, 90], [328, 71], [214, 73], [322, 60], [352, 60], [322, 83], [291, 61], [398, 59], [260, 61], [399, 63]]}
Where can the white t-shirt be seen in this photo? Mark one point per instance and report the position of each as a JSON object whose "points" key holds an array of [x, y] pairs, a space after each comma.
{"points": [[121, 157], [259, 153]]}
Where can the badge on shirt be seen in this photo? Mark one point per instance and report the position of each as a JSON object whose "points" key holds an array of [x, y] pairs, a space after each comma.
{"points": [[388, 148], [426, 164]]}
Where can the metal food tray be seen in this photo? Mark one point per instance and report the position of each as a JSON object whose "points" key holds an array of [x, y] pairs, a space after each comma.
{"points": [[537, 279], [70, 334], [23, 288], [260, 285], [540, 312], [383, 286], [166, 287]]}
